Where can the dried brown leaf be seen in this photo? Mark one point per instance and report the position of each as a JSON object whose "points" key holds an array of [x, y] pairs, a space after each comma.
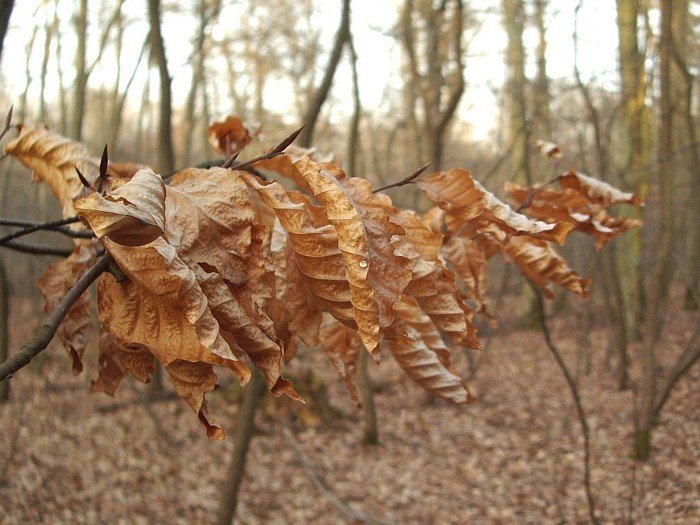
{"points": [[342, 347], [132, 214], [229, 136], [54, 283]]}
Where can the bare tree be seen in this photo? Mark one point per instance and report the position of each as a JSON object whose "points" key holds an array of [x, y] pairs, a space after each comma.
{"points": [[166, 151], [5, 13]]}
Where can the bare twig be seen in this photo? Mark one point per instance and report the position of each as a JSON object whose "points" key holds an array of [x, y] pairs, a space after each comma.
{"points": [[8, 123], [36, 249], [685, 362], [343, 507], [534, 192], [406, 180], [577, 401], [44, 335], [32, 226]]}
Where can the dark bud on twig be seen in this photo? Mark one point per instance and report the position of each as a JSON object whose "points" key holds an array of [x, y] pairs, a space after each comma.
{"points": [[231, 160], [286, 142], [104, 162], [82, 178]]}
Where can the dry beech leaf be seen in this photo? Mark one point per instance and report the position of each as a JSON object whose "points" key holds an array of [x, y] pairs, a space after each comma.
{"points": [[162, 307], [209, 219], [342, 347], [132, 214], [470, 204], [432, 285], [540, 263], [423, 365], [229, 136], [110, 370], [293, 310], [53, 159], [54, 283], [411, 313], [569, 204], [351, 235], [549, 149], [315, 246], [468, 262], [597, 190]]}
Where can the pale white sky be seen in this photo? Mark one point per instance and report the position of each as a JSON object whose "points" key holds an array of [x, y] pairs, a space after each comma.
{"points": [[379, 55]]}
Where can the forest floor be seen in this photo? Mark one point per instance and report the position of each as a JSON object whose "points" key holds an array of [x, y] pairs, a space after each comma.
{"points": [[514, 456]]}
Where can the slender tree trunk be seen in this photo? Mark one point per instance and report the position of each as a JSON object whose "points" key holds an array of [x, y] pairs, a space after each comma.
{"points": [[166, 151], [314, 110], [245, 421], [4, 332], [542, 97], [80, 85], [516, 88], [636, 143], [197, 77], [661, 272], [48, 35], [5, 13], [59, 73]]}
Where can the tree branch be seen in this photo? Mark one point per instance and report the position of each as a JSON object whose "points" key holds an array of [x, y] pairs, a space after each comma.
{"points": [[43, 337], [31, 227], [406, 180], [36, 249], [577, 401], [685, 362]]}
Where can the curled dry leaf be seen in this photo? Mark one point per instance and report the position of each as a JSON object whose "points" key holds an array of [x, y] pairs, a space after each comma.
{"points": [[352, 241], [540, 263], [229, 136], [117, 358], [569, 204], [423, 365], [162, 307], [549, 149], [54, 283], [597, 190], [342, 346], [209, 219], [132, 214], [53, 159], [432, 285], [469, 204], [468, 261]]}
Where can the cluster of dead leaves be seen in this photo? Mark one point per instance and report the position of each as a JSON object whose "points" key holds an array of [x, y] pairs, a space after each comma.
{"points": [[227, 267]]}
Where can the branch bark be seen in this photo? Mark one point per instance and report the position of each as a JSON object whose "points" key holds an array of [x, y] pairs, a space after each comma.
{"points": [[314, 110], [44, 335]]}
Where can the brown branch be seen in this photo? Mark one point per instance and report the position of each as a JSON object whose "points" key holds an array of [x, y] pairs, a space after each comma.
{"points": [[534, 192], [685, 362], [44, 335], [36, 249], [577, 401], [32, 226], [406, 180]]}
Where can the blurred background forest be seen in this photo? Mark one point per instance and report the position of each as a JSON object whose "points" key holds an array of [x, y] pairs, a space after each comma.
{"points": [[469, 83]]}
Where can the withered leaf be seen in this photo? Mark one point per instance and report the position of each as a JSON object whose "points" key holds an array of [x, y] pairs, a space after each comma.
{"points": [[229, 136], [132, 214], [53, 159], [423, 365], [54, 283], [209, 219], [342, 347]]}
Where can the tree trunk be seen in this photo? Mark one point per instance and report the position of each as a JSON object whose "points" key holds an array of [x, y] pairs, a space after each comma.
{"points": [[4, 333], [166, 152], [636, 143], [245, 419], [80, 72], [5, 13], [313, 111], [516, 88], [658, 281], [542, 98]]}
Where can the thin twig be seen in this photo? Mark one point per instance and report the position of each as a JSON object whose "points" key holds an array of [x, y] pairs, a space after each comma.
{"points": [[44, 335], [534, 192], [577, 401], [406, 180], [316, 480], [8, 123], [247, 165], [36, 249], [35, 227]]}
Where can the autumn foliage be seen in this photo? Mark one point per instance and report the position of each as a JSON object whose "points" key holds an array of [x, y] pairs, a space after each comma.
{"points": [[224, 266]]}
